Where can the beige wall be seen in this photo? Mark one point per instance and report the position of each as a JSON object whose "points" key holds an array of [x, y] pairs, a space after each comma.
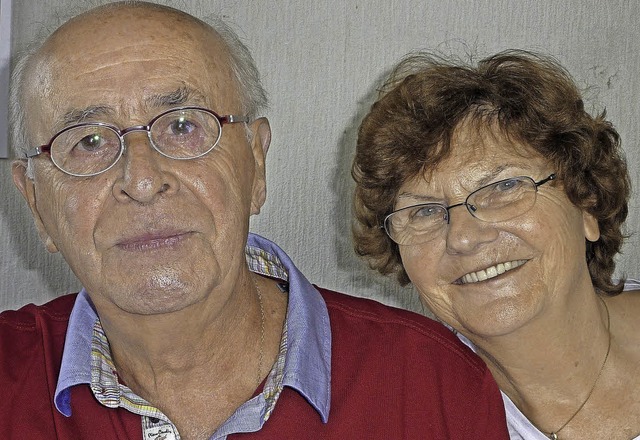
{"points": [[320, 62]]}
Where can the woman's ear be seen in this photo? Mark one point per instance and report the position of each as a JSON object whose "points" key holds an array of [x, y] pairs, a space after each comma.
{"points": [[591, 228]]}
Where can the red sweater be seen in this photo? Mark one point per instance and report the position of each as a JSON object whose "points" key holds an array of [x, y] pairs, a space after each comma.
{"points": [[394, 375]]}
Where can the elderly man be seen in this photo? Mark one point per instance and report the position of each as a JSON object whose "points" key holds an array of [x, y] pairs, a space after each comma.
{"points": [[145, 162]]}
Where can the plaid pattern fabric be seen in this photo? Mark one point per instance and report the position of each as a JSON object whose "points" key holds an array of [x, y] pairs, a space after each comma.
{"points": [[155, 425], [112, 394], [264, 263], [273, 385]]}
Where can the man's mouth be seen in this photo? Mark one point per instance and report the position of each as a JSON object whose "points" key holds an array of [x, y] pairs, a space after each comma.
{"points": [[152, 241], [490, 272]]}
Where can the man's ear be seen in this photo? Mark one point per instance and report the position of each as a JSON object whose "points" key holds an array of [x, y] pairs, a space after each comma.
{"points": [[27, 188], [591, 228], [261, 138]]}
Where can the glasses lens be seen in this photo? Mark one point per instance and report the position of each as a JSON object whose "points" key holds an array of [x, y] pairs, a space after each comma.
{"points": [[416, 224], [503, 200], [186, 133], [86, 150]]}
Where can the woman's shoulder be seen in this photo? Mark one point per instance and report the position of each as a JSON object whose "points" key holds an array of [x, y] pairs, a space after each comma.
{"points": [[628, 301], [632, 285], [624, 311]]}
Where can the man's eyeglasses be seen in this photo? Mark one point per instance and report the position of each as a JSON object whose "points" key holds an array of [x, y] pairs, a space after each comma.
{"points": [[496, 202], [91, 148]]}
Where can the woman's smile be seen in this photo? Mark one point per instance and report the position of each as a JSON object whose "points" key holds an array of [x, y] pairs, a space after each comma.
{"points": [[489, 272]]}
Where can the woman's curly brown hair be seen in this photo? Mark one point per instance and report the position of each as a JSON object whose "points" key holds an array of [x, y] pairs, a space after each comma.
{"points": [[531, 98]]}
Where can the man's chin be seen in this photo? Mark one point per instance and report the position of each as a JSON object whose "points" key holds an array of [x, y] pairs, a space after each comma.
{"points": [[146, 300]]}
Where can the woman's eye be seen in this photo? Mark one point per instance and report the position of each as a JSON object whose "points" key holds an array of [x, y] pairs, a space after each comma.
{"points": [[427, 211], [507, 185]]}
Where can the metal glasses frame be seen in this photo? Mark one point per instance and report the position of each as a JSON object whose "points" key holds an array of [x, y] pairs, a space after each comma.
{"points": [[224, 119], [470, 207]]}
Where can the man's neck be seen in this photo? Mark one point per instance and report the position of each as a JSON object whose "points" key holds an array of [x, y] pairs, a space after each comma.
{"points": [[185, 371]]}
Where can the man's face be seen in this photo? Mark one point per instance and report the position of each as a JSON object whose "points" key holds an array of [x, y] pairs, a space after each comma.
{"points": [[152, 234]]}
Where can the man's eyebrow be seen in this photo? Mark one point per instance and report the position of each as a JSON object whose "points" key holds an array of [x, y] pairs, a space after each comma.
{"points": [[77, 116], [177, 97]]}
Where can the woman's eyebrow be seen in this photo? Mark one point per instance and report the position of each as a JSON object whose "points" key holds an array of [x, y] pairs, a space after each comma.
{"points": [[486, 179], [494, 173], [419, 198]]}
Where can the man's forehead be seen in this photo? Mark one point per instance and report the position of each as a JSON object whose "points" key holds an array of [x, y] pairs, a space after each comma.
{"points": [[115, 17], [134, 24], [157, 65]]}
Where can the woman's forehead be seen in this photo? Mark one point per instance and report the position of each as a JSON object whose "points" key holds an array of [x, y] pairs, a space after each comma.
{"points": [[478, 143], [476, 159]]}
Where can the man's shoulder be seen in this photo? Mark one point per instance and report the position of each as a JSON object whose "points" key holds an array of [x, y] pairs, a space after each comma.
{"points": [[369, 310], [27, 317], [398, 329], [31, 341]]}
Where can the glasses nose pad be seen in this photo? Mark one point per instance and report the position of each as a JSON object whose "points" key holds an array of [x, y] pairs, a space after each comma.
{"points": [[133, 129], [136, 129], [445, 216], [472, 209]]}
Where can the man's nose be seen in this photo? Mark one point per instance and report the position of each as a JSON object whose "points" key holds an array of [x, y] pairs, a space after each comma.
{"points": [[146, 173]]}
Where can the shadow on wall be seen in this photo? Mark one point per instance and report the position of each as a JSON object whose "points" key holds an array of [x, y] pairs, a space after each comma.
{"points": [[361, 277], [49, 270]]}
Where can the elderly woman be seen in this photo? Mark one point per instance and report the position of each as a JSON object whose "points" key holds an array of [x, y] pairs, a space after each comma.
{"points": [[495, 193]]}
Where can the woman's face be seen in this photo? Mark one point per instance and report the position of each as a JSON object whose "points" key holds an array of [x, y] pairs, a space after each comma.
{"points": [[541, 251]]}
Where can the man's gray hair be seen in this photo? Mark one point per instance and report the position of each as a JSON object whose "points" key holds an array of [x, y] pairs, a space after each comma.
{"points": [[253, 97]]}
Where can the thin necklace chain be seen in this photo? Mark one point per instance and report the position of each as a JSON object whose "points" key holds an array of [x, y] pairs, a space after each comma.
{"points": [[262, 319], [554, 435]]}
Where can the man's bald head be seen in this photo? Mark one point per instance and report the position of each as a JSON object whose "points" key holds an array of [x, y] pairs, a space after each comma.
{"points": [[213, 37]]}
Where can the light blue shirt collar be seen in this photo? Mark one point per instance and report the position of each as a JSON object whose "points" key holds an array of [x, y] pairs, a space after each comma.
{"points": [[308, 360]]}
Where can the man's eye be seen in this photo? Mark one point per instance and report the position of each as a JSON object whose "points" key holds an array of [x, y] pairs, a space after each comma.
{"points": [[182, 126], [90, 143]]}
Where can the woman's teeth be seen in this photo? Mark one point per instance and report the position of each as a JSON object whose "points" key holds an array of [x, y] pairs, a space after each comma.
{"points": [[491, 272]]}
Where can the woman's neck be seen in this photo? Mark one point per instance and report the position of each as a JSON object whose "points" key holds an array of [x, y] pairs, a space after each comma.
{"points": [[549, 366]]}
